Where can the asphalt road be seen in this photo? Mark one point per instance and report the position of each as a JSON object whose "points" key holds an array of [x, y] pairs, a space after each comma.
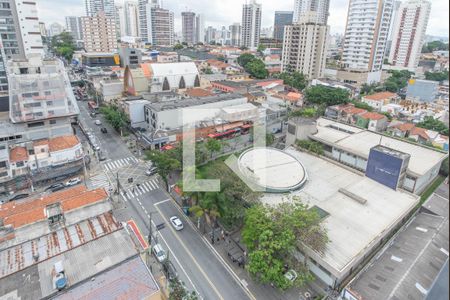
{"points": [[197, 265]]}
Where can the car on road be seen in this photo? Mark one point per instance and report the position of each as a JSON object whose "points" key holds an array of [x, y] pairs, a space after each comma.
{"points": [[73, 181], [291, 275], [57, 186], [176, 223], [104, 130], [101, 156], [98, 122], [19, 196], [151, 171], [159, 253]]}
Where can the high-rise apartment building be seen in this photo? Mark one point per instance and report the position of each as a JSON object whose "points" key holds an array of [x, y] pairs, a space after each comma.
{"points": [[99, 33], [188, 27], [305, 46], [210, 35], [43, 29], [366, 34], [408, 33], [282, 18], [199, 28], [161, 27], [235, 32], [251, 24], [128, 19], [321, 7], [93, 7], [73, 25], [55, 29]]}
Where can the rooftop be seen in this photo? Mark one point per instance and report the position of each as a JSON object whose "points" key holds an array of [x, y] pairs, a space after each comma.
{"points": [[18, 154], [198, 92], [63, 142], [373, 116], [360, 141], [374, 209], [380, 96]]}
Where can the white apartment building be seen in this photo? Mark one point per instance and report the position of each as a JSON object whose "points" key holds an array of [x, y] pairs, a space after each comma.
{"points": [[55, 29], [127, 18], [188, 30], [199, 28], [251, 24], [304, 47], [408, 33], [99, 33], [73, 25], [366, 34], [93, 7], [144, 13], [156, 25], [235, 31], [27, 15], [321, 7]]}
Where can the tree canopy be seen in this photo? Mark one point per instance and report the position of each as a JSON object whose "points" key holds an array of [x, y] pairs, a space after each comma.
{"points": [[273, 233], [323, 95], [397, 80], [114, 116], [254, 66], [164, 162], [433, 46], [63, 45], [436, 76], [433, 124], [294, 79]]}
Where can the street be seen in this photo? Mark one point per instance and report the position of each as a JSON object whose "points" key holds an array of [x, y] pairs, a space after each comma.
{"points": [[141, 196]]}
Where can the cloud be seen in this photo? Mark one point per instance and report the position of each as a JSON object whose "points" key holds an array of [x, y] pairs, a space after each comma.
{"points": [[220, 13]]}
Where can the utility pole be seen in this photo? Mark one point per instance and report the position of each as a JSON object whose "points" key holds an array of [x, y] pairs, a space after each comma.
{"points": [[149, 238]]}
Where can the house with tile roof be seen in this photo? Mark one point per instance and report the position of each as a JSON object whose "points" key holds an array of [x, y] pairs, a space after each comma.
{"points": [[372, 121], [347, 113], [378, 100]]}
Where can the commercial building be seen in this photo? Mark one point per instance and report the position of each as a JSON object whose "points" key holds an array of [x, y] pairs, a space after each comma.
{"points": [[99, 59], [352, 147], [235, 34], [366, 36], [99, 33], [200, 28], [321, 8], [422, 90], [73, 25], [304, 47], [251, 24], [282, 18], [93, 7], [408, 33], [188, 27]]}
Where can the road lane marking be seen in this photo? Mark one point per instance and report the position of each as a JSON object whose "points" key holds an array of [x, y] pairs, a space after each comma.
{"points": [[189, 252], [160, 202]]}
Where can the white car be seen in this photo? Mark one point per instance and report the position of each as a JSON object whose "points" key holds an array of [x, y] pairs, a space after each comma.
{"points": [[73, 181], [291, 275], [176, 223], [98, 122], [159, 253]]}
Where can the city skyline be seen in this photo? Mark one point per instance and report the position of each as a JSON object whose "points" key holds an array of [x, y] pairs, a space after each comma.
{"points": [[225, 14]]}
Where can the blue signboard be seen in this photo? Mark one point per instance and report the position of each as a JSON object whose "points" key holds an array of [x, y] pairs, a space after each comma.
{"points": [[384, 168]]}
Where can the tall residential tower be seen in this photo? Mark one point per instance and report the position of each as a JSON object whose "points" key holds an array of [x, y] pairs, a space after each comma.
{"points": [[320, 7], [251, 24], [282, 18], [188, 27]]}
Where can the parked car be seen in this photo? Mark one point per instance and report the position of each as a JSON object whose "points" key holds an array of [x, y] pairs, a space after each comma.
{"points": [[104, 130], [291, 275], [98, 122], [73, 181], [101, 156], [176, 223], [159, 253], [151, 171], [19, 196], [57, 187]]}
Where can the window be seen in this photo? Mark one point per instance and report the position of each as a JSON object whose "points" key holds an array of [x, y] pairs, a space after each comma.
{"points": [[52, 121], [20, 164], [35, 124]]}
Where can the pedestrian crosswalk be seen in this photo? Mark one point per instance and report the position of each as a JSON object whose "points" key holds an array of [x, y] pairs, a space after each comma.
{"points": [[119, 163], [98, 181], [144, 187]]}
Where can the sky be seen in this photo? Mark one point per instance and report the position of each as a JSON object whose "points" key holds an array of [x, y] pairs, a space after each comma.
{"points": [[218, 13]]}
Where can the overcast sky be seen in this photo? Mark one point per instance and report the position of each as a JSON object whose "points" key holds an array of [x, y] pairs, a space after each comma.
{"points": [[224, 12]]}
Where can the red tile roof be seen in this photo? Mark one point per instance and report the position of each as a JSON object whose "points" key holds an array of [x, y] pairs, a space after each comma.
{"points": [[380, 96], [63, 142], [405, 127], [18, 154], [196, 92], [373, 116], [422, 132], [32, 210]]}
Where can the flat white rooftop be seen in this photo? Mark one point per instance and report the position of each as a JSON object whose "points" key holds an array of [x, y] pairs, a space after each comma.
{"points": [[354, 227], [272, 169], [359, 141]]}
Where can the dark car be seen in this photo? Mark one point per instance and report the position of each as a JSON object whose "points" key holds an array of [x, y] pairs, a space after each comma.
{"points": [[19, 196], [104, 130], [57, 186]]}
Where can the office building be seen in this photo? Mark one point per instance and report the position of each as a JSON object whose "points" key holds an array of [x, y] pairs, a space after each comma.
{"points": [[199, 28], [144, 13], [251, 24], [43, 29], [73, 25], [304, 47], [235, 32], [366, 34], [127, 18], [99, 33], [188, 27], [282, 18], [321, 7], [93, 7], [408, 33], [210, 35]]}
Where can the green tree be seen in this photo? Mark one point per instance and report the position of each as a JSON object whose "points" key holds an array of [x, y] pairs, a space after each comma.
{"points": [[397, 80], [257, 69], [270, 138], [272, 233], [434, 124], [261, 48], [63, 45], [244, 59], [178, 47], [114, 116], [164, 162], [178, 291], [436, 76], [323, 95], [294, 79], [433, 46], [208, 71], [307, 112], [444, 167], [362, 105], [213, 146]]}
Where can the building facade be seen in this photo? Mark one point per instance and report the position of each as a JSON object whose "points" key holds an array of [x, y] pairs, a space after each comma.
{"points": [[408, 33], [282, 18], [99, 33], [188, 27], [366, 34], [304, 47], [55, 29], [93, 7], [199, 28], [73, 25], [161, 27], [321, 7], [235, 30], [251, 24]]}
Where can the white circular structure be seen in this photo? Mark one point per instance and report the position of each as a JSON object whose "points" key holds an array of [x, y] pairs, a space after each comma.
{"points": [[272, 169]]}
